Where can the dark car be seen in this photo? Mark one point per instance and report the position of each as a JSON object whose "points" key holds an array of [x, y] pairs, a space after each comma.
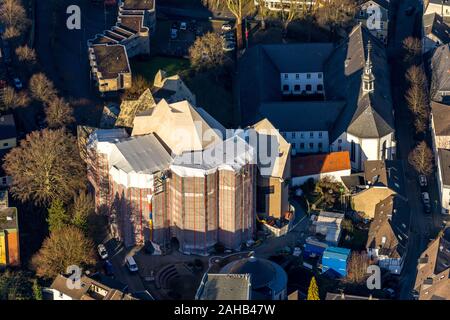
{"points": [[108, 267], [410, 10]]}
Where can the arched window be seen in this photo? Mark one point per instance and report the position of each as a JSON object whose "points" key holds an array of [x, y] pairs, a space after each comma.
{"points": [[297, 87], [286, 87]]}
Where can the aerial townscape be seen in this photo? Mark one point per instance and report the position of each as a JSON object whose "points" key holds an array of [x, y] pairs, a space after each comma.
{"points": [[225, 150]]}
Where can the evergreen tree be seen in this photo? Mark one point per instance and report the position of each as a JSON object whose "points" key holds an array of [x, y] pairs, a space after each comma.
{"points": [[37, 290], [57, 216], [313, 290]]}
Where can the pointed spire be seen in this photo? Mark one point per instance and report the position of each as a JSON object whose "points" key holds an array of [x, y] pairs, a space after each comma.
{"points": [[368, 78]]}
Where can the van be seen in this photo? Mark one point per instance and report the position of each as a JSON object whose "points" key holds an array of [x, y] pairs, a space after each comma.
{"points": [[131, 264]]}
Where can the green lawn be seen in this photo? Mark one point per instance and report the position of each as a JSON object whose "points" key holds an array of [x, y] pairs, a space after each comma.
{"points": [[210, 91], [149, 68]]}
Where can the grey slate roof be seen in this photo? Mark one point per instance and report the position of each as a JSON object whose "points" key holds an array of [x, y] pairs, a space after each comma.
{"points": [[440, 63], [385, 173], [7, 127], [434, 24], [441, 118], [299, 57], [364, 115], [367, 115], [141, 154], [391, 220], [444, 161], [302, 115]]}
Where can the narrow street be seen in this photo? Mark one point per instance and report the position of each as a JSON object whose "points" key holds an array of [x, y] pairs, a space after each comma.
{"points": [[421, 224]]}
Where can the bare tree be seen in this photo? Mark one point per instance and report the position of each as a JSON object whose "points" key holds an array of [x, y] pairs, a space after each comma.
{"points": [[42, 88], [421, 158], [26, 54], [357, 267], [14, 17], [11, 99], [413, 49], [236, 8], [65, 247], [292, 12], [58, 113], [45, 167], [335, 13], [416, 98], [263, 12], [416, 75], [207, 52]]}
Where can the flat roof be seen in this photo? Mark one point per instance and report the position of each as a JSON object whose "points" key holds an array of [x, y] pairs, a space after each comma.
{"points": [[226, 287], [111, 60]]}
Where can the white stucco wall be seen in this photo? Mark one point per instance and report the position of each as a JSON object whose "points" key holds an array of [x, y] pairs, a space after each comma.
{"points": [[298, 137], [298, 181], [292, 79]]}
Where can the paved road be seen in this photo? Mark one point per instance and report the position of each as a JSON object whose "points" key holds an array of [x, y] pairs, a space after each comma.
{"points": [[63, 52], [421, 224]]}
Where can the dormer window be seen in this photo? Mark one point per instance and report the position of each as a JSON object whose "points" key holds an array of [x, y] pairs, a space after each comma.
{"points": [[297, 76], [286, 75], [308, 76]]}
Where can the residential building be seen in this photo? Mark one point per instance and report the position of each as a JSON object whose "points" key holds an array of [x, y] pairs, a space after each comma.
{"points": [[268, 281], [443, 178], [440, 125], [278, 5], [440, 82], [9, 233], [435, 32], [354, 74], [88, 288], [433, 270], [441, 7], [382, 179], [334, 261], [374, 14], [343, 296], [225, 287], [274, 168], [328, 224], [388, 234], [110, 68], [8, 140], [110, 51], [334, 165]]}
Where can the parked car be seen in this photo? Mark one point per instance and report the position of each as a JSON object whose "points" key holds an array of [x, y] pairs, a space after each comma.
{"points": [[173, 34], [183, 26], [18, 84], [108, 267], [131, 264], [425, 198], [410, 10], [229, 36], [226, 27], [229, 46], [423, 180], [427, 208], [101, 249], [390, 292]]}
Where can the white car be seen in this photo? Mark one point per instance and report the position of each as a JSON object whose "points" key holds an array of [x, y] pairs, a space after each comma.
{"points": [[423, 180], [102, 251], [183, 26], [131, 264], [18, 83], [226, 27]]}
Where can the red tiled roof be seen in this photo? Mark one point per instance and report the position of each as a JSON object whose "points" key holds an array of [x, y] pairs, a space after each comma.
{"points": [[320, 163]]}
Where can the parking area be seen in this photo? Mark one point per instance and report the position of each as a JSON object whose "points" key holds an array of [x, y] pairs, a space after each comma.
{"points": [[175, 36]]}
